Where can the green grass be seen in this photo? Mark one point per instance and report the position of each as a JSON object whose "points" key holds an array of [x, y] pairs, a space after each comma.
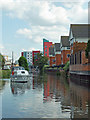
{"points": [[5, 73]]}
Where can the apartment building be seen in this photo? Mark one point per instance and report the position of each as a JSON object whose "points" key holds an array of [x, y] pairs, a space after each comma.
{"points": [[28, 56], [65, 49]]}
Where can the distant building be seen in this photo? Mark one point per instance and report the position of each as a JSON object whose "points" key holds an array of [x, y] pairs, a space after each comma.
{"points": [[8, 64], [51, 56], [34, 55], [65, 49], [28, 56], [16, 63], [57, 51], [47, 45], [44, 40]]}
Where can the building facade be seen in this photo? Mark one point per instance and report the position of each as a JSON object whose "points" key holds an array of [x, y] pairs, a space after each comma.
{"points": [[28, 56], [65, 49], [57, 54], [78, 37], [51, 56], [44, 40], [47, 45], [34, 55]]}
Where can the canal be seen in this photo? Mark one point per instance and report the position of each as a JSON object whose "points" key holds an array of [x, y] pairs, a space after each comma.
{"points": [[44, 96]]}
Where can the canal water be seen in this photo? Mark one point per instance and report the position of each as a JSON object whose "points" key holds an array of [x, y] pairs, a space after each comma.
{"points": [[44, 96]]}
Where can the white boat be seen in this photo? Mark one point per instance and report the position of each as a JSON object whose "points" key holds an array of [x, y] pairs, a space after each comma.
{"points": [[19, 74]]}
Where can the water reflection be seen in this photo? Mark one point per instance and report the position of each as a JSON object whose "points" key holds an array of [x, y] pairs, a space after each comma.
{"points": [[47, 96], [18, 88], [2, 85], [79, 100]]}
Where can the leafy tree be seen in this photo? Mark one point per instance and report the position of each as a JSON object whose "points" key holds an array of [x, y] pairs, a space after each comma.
{"points": [[2, 61], [23, 62], [40, 61], [87, 49]]}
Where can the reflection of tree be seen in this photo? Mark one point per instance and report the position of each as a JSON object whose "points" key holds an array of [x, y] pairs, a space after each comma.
{"points": [[2, 84], [19, 88], [37, 81]]}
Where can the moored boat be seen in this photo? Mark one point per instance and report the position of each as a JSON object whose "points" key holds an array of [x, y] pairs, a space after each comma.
{"points": [[19, 74]]}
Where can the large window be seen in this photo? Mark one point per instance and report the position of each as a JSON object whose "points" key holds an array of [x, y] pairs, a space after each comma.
{"points": [[45, 50], [45, 53], [45, 46]]}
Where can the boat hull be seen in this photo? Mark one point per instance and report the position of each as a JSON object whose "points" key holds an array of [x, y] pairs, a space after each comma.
{"points": [[20, 78]]}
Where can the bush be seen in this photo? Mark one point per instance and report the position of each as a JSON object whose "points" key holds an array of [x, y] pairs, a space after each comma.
{"points": [[5, 73], [66, 67]]}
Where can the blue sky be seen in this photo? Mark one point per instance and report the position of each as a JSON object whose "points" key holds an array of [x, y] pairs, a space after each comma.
{"points": [[26, 23]]}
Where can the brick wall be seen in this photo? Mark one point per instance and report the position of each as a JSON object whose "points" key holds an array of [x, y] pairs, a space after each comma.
{"points": [[80, 67], [65, 58], [58, 59], [84, 59], [52, 60], [79, 47]]}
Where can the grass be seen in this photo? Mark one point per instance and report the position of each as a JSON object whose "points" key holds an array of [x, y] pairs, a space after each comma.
{"points": [[5, 73]]}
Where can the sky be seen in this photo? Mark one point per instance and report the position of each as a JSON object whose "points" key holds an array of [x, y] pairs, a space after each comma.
{"points": [[24, 23]]}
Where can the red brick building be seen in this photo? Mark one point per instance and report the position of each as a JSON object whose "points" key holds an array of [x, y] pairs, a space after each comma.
{"points": [[51, 56], [78, 37], [47, 45], [65, 49], [34, 55]]}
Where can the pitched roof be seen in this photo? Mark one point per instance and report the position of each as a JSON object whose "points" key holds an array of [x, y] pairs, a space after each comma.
{"points": [[57, 47], [65, 41], [51, 51], [80, 30]]}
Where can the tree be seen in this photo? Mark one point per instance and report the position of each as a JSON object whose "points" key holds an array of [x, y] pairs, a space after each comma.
{"points": [[87, 49], [23, 62], [2, 61], [40, 61]]}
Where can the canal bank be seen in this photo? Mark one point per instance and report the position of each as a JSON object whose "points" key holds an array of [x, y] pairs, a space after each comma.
{"points": [[5, 74]]}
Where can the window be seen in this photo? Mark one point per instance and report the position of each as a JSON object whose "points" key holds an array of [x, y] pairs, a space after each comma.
{"points": [[68, 48], [45, 46], [53, 60], [68, 55], [45, 53], [45, 50], [51, 45]]}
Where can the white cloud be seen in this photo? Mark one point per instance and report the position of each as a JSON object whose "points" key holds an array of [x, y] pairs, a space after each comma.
{"points": [[44, 18], [26, 32]]}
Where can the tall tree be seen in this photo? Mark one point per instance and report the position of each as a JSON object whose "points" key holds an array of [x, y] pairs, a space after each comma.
{"points": [[40, 61], [2, 61], [23, 62], [88, 49]]}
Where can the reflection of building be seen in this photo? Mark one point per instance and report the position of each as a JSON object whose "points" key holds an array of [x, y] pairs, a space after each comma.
{"points": [[28, 56], [79, 100]]}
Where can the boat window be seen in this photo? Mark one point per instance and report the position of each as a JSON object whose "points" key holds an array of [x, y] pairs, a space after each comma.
{"points": [[23, 68]]}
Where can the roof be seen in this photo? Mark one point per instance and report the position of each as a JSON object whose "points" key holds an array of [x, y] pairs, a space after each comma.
{"points": [[80, 30], [51, 51], [65, 41], [57, 47]]}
